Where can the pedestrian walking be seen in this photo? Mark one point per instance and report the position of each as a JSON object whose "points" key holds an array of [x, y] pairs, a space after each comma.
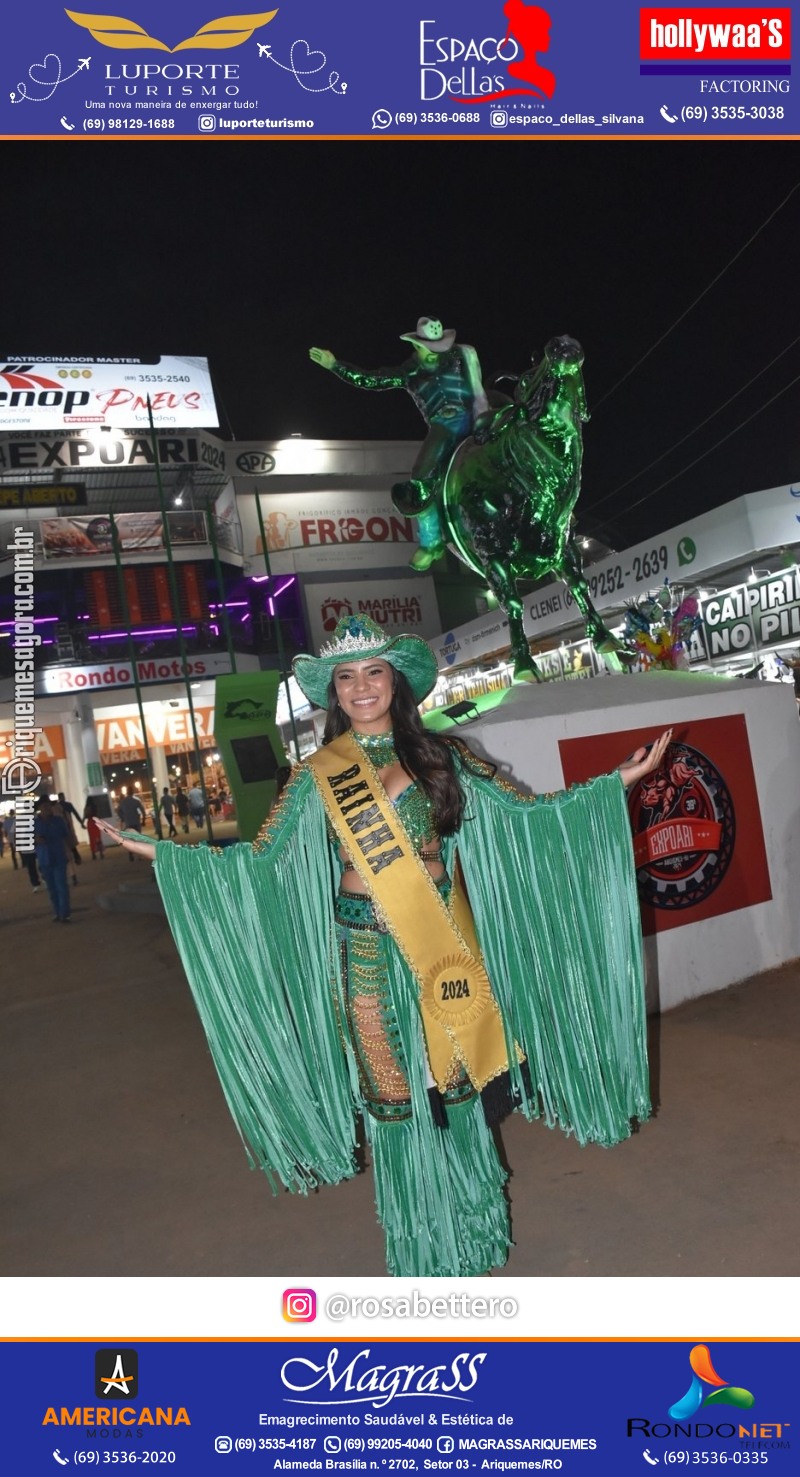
{"points": [[182, 807], [168, 810], [51, 842], [10, 833]]}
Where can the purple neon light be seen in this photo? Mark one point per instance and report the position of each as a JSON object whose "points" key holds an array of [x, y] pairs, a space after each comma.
{"points": [[159, 631], [40, 620]]}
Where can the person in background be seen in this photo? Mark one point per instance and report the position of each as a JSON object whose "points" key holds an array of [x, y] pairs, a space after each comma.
{"points": [[93, 832], [68, 809], [10, 833], [182, 807], [197, 807], [168, 810], [72, 838], [51, 842], [132, 814]]}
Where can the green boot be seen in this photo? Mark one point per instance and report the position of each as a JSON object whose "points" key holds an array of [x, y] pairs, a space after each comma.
{"points": [[431, 540]]}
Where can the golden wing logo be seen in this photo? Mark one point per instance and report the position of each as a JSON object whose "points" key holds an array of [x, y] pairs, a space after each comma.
{"points": [[125, 35]]}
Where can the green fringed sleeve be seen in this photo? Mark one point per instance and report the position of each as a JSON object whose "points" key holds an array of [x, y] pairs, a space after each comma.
{"points": [[253, 926], [552, 885]]}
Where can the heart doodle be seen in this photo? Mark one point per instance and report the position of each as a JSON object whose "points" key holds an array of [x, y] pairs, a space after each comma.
{"points": [[308, 56], [44, 75]]}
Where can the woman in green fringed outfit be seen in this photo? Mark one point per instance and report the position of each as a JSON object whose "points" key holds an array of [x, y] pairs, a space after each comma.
{"points": [[413, 941]]}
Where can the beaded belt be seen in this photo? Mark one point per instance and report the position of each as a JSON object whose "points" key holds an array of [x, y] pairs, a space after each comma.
{"points": [[356, 910]]}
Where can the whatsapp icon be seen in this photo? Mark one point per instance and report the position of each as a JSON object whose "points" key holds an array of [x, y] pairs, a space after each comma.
{"points": [[687, 551]]}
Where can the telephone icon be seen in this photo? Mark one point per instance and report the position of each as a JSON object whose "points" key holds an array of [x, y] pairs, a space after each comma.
{"points": [[665, 113], [653, 1460], [70, 127], [60, 1458]]}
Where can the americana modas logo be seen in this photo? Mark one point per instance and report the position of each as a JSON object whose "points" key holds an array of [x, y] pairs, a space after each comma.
{"points": [[683, 830], [127, 35], [116, 1374]]}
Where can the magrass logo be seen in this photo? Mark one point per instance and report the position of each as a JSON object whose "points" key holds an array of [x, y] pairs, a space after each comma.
{"points": [[116, 1374], [127, 35], [698, 1394]]}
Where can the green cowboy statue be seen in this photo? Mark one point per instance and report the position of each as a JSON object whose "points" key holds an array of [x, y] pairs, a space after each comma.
{"points": [[444, 380]]}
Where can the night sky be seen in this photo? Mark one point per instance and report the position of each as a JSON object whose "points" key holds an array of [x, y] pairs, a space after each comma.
{"points": [[249, 252]]}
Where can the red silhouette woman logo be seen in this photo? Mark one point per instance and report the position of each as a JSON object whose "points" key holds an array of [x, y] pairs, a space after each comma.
{"points": [[530, 27]]}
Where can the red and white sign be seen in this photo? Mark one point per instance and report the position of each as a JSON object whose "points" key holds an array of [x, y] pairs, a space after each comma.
{"points": [[326, 530], [120, 674], [48, 394], [698, 840], [404, 604], [724, 33]]}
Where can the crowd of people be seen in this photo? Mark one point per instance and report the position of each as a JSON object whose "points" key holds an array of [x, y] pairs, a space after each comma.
{"points": [[52, 864]]}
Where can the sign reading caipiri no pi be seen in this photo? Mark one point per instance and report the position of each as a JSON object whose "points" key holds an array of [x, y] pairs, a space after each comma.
{"points": [[49, 394]]}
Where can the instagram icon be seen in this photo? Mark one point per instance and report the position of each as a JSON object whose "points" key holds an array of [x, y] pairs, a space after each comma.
{"points": [[299, 1305]]}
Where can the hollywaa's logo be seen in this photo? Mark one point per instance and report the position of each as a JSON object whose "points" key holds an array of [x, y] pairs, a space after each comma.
{"points": [[684, 830], [527, 37], [126, 35]]}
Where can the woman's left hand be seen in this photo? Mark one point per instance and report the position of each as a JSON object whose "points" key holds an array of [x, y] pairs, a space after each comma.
{"points": [[644, 761]]}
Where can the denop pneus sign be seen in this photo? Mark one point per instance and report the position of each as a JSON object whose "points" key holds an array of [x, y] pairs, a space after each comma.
{"points": [[39, 394]]}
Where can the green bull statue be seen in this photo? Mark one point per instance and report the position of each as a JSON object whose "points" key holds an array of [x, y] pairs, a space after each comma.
{"points": [[501, 489]]}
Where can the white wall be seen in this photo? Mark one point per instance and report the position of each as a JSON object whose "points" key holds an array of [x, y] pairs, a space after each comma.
{"points": [[522, 735]]}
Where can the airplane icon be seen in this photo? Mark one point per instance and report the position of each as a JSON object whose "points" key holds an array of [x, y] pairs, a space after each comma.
{"points": [[83, 62], [263, 50]]}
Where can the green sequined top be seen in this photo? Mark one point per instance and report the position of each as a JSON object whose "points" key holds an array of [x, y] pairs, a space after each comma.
{"points": [[415, 810]]}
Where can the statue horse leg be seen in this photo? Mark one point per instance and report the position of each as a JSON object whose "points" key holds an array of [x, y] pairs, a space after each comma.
{"points": [[503, 586], [571, 572]]}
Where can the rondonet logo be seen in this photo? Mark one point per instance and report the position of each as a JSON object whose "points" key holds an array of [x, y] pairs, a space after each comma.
{"points": [[359, 1382], [718, 33]]}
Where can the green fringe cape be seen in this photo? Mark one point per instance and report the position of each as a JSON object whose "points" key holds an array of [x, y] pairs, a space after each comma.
{"points": [[552, 886]]}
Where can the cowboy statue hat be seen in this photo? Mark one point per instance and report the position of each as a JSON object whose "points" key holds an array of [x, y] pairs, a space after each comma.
{"points": [[357, 638], [431, 335]]}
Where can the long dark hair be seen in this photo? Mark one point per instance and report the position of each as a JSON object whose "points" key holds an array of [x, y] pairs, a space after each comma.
{"points": [[424, 756]]}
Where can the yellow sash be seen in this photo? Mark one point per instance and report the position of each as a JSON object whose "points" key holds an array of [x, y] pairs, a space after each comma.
{"points": [[460, 1015]]}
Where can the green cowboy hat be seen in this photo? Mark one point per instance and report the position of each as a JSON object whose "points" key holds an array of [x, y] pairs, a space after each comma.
{"points": [[359, 639]]}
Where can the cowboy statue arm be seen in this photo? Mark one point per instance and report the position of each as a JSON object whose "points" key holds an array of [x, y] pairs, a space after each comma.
{"points": [[480, 402], [557, 916], [253, 924], [364, 379]]}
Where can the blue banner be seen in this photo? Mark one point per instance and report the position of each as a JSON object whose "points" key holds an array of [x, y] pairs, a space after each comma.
{"points": [[387, 1406], [467, 68]]}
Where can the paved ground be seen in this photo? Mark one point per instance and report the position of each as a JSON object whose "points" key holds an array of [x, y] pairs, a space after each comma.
{"points": [[120, 1157]]}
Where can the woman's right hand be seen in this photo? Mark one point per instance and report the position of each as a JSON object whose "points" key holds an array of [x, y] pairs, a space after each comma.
{"points": [[138, 848]]}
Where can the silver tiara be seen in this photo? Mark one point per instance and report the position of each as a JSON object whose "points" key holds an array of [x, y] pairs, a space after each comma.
{"points": [[351, 645]]}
